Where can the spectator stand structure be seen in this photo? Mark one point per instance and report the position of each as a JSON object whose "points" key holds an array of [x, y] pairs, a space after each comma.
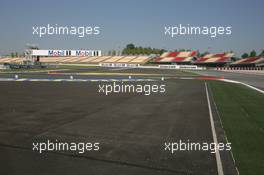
{"points": [[186, 57], [215, 60]]}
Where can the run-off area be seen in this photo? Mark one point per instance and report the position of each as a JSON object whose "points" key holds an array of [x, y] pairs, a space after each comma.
{"points": [[131, 128]]}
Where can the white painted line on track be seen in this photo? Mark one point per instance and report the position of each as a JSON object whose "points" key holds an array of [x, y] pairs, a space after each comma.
{"points": [[74, 80], [217, 154], [187, 78], [21, 79], [7, 79], [58, 80], [38, 80], [245, 84], [120, 69]]}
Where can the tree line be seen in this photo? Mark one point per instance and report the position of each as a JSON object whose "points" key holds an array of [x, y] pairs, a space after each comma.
{"points": [[253, 53], [131, 49]]}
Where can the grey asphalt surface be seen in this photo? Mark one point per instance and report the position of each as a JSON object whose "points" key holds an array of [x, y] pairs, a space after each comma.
{"points": [[133, 72], [131, 129], [254, 80]]}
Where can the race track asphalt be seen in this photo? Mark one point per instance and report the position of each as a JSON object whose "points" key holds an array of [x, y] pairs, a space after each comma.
{"points": [[131, 128]]}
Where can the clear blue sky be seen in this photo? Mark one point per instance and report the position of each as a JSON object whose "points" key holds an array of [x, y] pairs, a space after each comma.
{"points": [[132, 21]]}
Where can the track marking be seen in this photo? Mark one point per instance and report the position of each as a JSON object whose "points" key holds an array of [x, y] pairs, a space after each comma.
{"points": [[106, 73], [76, 80], [59, 80], [217, 154], [120, 69], [21, 79], [32, 71], [187, 78], [30, 79], [245, 84]]}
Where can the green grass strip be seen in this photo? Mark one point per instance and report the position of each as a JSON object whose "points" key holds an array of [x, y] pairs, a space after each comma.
{"points": [[242, 113]]}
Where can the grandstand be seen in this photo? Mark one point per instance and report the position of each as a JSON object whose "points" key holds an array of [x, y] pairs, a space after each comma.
{"points": [[140, 59], [176, 57], [249, 62], [87, 59], [126, 59], [50, 59], [97, 59], [100, 59], [113, 59], [12, 60], [219, 59]]}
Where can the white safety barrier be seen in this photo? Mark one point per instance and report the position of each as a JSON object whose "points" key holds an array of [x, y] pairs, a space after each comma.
{"points": [[118, 65], [190, 67], [3, 67]]}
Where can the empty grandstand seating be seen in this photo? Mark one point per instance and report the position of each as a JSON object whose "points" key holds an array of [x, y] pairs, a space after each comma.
{"points": [[11, 60], [251, 61], [100, 59], [140, 59], [97, 59], [176, 57], [185, 57], [215, 59], [87, 59], [126, 59], [113, 59], [167, 59], [165, 54]]}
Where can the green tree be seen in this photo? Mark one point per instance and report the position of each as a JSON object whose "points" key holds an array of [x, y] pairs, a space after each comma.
{"points": [[131, 49], [131, 52], [253, 53], [140, 50], [130, 46], [262, 53], [245, 55]]}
